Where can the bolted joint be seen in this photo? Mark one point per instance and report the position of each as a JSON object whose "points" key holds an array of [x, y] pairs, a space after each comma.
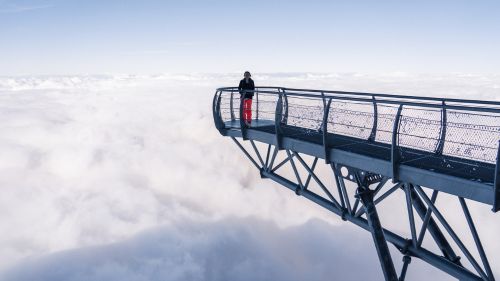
{"points": [[365, 194], [261, 172], [344, 214], [298, 191], [404, 249], [407, 259], [456, 260]]}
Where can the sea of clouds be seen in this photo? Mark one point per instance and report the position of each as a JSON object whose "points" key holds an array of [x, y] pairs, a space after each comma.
{"points": [[124, 177]]}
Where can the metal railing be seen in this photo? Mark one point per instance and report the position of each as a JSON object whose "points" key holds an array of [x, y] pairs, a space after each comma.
{"points": [[467, 129], [459, 128]]}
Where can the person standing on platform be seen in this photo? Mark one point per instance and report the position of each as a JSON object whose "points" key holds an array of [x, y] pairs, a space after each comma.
{"points": [[246, 89]]}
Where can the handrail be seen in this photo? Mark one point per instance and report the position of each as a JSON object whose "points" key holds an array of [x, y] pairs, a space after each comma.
{"points": [[364, 94], [404, 101], [382, 101]]}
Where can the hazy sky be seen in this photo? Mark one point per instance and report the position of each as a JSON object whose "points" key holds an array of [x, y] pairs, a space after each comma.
{"points": [[132, 36]]}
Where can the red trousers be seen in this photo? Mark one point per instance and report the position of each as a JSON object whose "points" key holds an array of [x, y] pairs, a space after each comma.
{"points": [[247, 110]]}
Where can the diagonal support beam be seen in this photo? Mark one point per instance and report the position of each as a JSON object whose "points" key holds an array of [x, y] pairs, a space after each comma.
{"points": [[433, 228], [439, 262], [257, 152], [246, 153], [267, 155], [477, 241], [308, 180], [276, 149], [296, 172], [406, 262], [318, 181], [452, 233], [282, 163]]}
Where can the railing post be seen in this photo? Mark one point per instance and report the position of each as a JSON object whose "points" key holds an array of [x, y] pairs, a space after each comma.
{"points": [[442, 133], [277, 121], [285, 103], [219, 124], [323, 98], [373, 134], [496, 199], [395, 155], [257, 104], [231, 106], [325, 131]]}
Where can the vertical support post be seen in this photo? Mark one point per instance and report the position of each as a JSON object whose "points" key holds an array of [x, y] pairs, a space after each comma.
{"points": [[384, 255], [277, 121], [395, 155], [324, 99], [442, 132], [257, 104], [321, 128], [496, 199], [373, 134], [326, 150], [285, 106], [231, 106], [219, 124]]}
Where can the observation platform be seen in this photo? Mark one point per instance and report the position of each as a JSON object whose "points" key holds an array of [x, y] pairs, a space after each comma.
{"points": [[449, 145]]}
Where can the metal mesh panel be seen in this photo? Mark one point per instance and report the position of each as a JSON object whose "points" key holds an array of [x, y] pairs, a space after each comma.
{"points": [[225, 105], [264, 106], [385, 122], [420, 128], [304, 112], [472, 135], [351, 119]]}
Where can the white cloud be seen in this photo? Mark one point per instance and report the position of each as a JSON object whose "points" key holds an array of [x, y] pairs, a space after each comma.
{"points": [[230, 249], [93, 160]]}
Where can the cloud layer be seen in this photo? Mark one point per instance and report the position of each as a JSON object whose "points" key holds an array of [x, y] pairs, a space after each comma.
{"points": [[90, 161], [230, 249]]}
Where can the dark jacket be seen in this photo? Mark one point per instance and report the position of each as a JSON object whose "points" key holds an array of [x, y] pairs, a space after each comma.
{"points": [[246, 86]]}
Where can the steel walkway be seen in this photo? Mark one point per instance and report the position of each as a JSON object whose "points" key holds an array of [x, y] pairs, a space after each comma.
{"points": [[445, 145]]}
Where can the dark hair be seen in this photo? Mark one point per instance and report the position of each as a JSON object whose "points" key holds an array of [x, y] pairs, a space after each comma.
{"points": [[247, 72]]}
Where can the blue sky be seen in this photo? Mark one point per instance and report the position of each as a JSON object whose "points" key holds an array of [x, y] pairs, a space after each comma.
{"points": [[132, 36]]}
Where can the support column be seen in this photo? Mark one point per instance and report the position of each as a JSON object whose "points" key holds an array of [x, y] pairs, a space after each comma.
{"points": [[366, 196]]}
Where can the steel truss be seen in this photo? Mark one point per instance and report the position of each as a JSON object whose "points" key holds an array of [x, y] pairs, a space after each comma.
{"points": [[361, 210]]}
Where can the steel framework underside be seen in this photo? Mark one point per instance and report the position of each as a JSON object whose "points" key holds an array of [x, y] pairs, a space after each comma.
{"points": [[370, 167]]}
